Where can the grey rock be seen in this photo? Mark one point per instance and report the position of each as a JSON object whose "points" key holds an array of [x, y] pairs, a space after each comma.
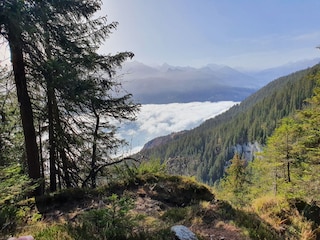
{"points": [[183, 233]]}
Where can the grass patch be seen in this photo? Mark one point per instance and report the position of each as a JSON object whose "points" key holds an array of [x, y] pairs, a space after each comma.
{"points": [[54, 232], [176, 215], [250, 222]]}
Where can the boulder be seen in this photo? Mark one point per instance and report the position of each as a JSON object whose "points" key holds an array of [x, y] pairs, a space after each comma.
{"points": [[183, 233]]}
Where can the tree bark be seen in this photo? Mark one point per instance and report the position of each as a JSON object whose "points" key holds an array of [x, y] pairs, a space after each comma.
{"points": [[94, 149], [52, 140], [18, 64]]}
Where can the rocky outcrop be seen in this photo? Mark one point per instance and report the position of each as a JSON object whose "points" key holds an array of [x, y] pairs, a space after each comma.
{"points": [[183, 233], [247, 150], [184, 166], [175, 190]]}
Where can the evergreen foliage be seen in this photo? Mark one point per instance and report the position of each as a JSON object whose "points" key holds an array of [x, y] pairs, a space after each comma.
{"points": [[15, 187], [236, 181], [211, 145], [285, 175], [63, 86], [112, 222], [11, 144]]}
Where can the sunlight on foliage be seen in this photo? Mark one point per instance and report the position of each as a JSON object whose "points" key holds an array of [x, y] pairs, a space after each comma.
{"points": [[53, 232], [13, 184], [152, 166]]}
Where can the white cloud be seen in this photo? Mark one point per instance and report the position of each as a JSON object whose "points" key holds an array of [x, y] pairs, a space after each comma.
{"points": [[311, 36], [156, 120]]}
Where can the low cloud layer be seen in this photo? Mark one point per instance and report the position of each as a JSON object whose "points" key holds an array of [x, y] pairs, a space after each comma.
{"points": [[156, 120]]}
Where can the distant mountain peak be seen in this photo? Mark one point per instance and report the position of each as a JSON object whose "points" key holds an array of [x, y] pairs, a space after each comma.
{"points": [[214, 66], [213, 82]]}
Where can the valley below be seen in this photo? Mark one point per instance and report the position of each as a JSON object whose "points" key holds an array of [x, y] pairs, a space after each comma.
{"points": [[155, 120]]}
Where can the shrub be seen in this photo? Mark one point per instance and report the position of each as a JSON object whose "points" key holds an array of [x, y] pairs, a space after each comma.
{"points": [[272, 209], [8, 218], [112, 222], [14, 186], [152, 166], [175, 215]]}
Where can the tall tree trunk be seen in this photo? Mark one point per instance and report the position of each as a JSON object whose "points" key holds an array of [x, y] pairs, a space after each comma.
{"points": [[65, 167], [14, 38], [40, 154], [288, 158], [93, 172], [51, 119], [288, 170], [52, 140], [60, 146]]}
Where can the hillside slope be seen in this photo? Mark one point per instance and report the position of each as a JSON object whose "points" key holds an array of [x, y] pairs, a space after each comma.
{"points": [[146, 208], [204, 150]]}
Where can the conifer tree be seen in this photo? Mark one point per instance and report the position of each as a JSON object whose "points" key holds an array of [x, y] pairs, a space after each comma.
{"points": [[234, 185], [237, 173], [53, 46], [289, 163], [14, 25]]}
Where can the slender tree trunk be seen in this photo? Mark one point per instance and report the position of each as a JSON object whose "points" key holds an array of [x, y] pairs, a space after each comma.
{"points": [[14, 35], [50, 107], [288, 159], [94, 151], [60, 145], [288, 171], [64, 159], [52, 144], [41, 155], [59, 177], [275, 184]]}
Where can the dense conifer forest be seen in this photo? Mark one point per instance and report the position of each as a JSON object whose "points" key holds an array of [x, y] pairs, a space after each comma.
{"points": [[207, 147], [282, 182]]}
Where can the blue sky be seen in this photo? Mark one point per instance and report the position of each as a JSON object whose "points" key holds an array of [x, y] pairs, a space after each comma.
{"points": [[251, 34]]}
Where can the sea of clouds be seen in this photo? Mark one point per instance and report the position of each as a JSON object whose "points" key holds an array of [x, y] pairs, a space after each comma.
{"points": [[155, 120]]}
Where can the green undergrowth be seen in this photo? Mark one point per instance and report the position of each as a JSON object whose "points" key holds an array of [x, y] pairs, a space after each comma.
{"points": [[250, 222], [110, 211], [78, 214], [271, 217], [117, 219]]}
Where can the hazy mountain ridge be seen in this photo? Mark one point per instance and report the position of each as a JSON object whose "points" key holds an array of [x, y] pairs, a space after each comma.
{"points": [[273, 73], [167, 84]]}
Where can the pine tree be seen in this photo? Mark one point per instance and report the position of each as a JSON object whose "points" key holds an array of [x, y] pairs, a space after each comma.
{"points": [[13, 25], [236, 172], [53, 46], [234, 185]]}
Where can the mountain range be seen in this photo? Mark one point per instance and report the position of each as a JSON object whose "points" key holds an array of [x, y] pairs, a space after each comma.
{"points": [[173, 84]]}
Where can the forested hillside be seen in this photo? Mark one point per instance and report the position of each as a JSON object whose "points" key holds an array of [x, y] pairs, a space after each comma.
{"points": [[281, 185], [204, 150]]}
